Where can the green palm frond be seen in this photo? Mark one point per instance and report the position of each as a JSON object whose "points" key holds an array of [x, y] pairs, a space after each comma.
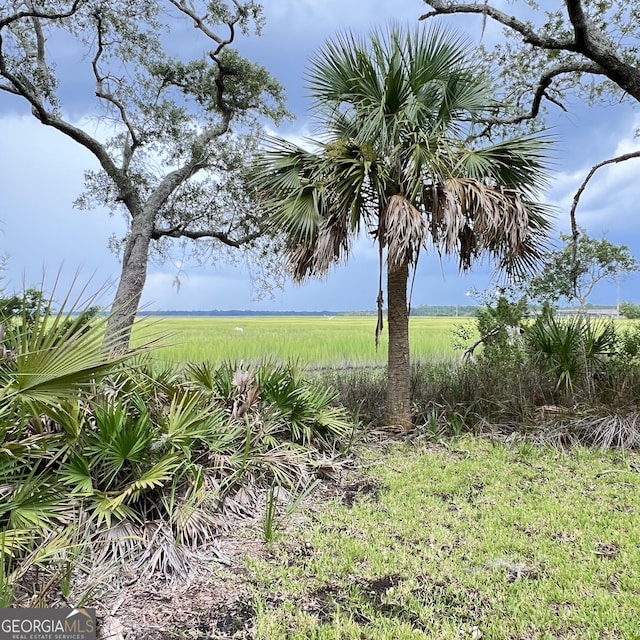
{"points": [[201, 375], [15, 542], [520, 163], [188, 423], [156, 476], [77, 475], [107, 514], [397, 81], [57, 354], [119, 443], [36, 504]]}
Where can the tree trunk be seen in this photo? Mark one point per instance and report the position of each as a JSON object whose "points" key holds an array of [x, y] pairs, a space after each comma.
{"points": [[132, 280], [398, 411]]}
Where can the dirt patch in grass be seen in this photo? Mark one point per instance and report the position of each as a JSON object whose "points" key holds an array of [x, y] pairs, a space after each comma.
{"points": [[200, 611], [350, 493]]}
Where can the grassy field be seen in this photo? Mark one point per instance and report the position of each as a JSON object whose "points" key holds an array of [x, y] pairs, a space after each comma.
{"points": [[472, 540], [314, 341]]}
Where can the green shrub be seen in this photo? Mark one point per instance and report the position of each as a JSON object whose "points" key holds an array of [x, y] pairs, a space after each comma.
{"points": [[571, 351], [139, 457], [630, 310]]}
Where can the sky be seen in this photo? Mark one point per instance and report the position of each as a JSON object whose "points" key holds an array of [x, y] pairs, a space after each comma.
{"points": [[41, 174]]}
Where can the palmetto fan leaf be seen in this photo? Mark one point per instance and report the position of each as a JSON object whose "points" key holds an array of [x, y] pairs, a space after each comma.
{"points": [[15, 541], [520, 163], [156, 476], [376, 87], [58, 354], [319, 209]]}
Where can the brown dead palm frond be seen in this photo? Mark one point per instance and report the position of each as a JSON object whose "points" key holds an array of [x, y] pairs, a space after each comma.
{"points": [[162, 554], [403, 228], [301, 262], [118, 544], [196, 526], [469, 217], [287, 465], [593, 427], [616, 431], [330, 246], [244, 503]]}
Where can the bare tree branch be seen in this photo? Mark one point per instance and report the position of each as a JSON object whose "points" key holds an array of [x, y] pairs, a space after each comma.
{"points": [[200, 24], [21, 87], [594, 44], [541, 91], [8, 87], [589, 40], [182, 232], [579, 21], [468, 352], [126, 192], [101, 92], [18, 85], [577, 196], [37, 28]]}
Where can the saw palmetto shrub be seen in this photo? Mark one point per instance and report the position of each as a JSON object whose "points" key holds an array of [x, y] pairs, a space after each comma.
{"points": [[107, 457]]}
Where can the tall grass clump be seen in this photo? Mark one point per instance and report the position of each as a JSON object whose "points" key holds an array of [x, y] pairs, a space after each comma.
{"points": [[571, 380], [545, 376]]}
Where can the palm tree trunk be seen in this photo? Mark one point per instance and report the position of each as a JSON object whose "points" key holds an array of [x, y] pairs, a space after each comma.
{"points": [[398, 411]]}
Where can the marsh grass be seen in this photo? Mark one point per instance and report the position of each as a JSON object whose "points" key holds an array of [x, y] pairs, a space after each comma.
{"points": [[339, 341], [468, 540]]}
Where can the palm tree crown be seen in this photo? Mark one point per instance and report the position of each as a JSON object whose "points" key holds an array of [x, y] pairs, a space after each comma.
{"points": [[396, 158]]}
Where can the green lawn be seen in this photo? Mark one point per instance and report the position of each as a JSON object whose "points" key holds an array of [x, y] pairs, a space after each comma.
{"points": [[314, 341], [475, 540]]}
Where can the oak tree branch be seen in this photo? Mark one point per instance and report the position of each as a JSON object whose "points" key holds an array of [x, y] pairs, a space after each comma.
{"points": [[576, 198]]}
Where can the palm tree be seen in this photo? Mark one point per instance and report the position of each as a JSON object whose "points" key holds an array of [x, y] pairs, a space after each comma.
{"points": [[396, 160]]}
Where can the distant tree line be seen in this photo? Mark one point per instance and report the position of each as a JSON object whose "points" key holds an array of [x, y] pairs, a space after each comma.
{"points": [[221, 313], [446, 310]]}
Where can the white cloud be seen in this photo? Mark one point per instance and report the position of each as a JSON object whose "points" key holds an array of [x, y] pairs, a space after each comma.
{"points": [[610, 199]]}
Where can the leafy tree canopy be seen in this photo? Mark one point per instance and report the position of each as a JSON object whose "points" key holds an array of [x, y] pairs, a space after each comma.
{"points": [[630, 310], [171, 125], [573, 271]]}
